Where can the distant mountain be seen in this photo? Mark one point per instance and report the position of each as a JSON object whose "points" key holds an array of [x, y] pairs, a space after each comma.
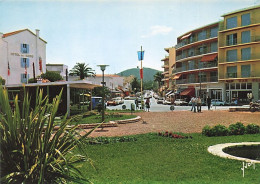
{"points": [[148, 73]]}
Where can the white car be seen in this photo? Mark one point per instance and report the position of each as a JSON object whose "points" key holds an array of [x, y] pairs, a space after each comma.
{"points": [[118, 100], [180, 102], [217, 102]]}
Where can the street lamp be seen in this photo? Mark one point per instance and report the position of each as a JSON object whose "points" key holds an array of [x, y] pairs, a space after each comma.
{"points": [[102, 68]]}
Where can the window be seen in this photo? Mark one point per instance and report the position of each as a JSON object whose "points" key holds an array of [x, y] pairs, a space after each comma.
{"points": [[246, 54], [214, 47], [231, 71], [191, 65], [245, 19], [191, 52], [191, 78], [202, 50], [232, 39], [24, 78], [231, 22], [245, 70], [24, 48], [202, 35], [202, 77], [249, 86], [214, 32], [213, 76], [25, 61], [183, 67], [232, 55], [245, 37]]}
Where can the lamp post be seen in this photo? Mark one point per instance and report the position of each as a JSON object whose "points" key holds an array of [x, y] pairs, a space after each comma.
{"points": [[140, 58], [102, 68]]}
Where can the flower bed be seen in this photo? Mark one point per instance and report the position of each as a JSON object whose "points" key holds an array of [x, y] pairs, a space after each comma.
{"points": [[174, 135]]}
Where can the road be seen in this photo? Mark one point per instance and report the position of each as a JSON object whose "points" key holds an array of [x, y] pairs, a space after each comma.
{"points": [[166, 108]]}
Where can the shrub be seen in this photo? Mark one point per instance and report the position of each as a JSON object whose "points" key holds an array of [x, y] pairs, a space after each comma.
{"points": [[237, 129], [51, 76], [219, 130], [31, 150], [207, 131], [252, 129]]}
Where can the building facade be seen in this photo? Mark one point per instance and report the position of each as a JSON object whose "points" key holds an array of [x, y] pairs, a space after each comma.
{"points": [[58, 68], [20, 51], [239, 55], [196, 69]]}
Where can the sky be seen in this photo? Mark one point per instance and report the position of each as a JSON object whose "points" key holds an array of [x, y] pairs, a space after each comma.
{"points": [[112, 31]]}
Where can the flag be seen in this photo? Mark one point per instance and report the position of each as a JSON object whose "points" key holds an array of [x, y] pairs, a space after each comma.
{"points": [[141, 73], [40, 64], [140, 55], [25, 67], [8, 69]]}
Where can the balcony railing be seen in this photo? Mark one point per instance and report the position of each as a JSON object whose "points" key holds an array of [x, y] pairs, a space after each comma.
{"points": [[193, 40], [202, 65], [196, 53], [239, 41], [222, 27], [255, 56], [197, 80], [242, 75], [231, 75]]}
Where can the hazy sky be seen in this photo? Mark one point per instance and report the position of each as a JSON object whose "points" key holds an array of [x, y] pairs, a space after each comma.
{"points": [[112, 31]]}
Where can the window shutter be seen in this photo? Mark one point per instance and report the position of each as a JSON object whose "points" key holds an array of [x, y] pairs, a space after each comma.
{"points": [[27, 48], [22, 63], [22, 78], [21, 48], [27, 62]]}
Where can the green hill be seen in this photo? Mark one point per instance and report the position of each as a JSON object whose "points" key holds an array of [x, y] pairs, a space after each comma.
{"points": [[148, 73]]}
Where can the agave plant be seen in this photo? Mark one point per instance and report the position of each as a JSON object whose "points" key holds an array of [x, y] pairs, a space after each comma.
{"points": [[31, 150]]}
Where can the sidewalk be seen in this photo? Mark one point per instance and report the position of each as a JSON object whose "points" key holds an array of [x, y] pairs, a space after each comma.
{"points": [[179, 121]]}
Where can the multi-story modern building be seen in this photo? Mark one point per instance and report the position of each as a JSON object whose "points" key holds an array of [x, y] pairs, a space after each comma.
{"points": [[239, 55], [20, 51], [168, 61], [196, 69], [58, 68]]}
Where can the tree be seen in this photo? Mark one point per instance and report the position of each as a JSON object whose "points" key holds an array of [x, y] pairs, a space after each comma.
{"points": [[136, 84], [51, 76], [32, 151], [82, 70], [98, 91], [2, 81], [158, 78]]}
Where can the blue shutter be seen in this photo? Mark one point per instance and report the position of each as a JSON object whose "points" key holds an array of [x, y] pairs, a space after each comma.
{"points": [[21, 48], [246, 53], [245, 19], [231, 22], [22, 63], [27, 48], [232, 55], [245, 70], [27, 62], [246, 37]]}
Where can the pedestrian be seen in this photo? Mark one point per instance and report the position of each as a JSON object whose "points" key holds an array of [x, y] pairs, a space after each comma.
{"points": [[147, 104], [199, 104], [209, 102], [193, 103], [136, 103]]}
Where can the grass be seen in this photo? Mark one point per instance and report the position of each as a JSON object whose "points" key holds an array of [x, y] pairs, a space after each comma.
{"points": [[98, 118], [156, 159]]}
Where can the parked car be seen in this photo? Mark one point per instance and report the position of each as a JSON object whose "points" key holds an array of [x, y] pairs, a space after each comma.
{"points": [[118, 100], [160, 100], [180, 102], [111, 102], [217, 102], [166, 102]]}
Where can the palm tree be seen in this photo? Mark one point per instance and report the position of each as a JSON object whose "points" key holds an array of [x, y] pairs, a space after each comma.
{"points": [[82, 70], [158, 78]]}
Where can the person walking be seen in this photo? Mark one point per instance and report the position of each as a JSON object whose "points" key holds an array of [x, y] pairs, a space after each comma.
{"points": [[199, 104], [147, 104], [136, 103], [193, 103], [209, 102]]}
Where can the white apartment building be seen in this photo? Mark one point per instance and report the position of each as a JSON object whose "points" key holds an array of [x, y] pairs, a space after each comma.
{"points": [[59, 68], [19, 51]]}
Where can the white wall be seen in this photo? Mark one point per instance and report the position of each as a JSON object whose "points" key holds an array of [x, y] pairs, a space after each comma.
{"points": [[12, 51], [57, 68]]}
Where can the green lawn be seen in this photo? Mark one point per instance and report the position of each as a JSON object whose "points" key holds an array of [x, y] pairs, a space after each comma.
{"points": [[98, 118], [156, 159]]}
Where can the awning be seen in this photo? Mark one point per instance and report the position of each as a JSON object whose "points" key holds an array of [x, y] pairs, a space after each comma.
{"points": [[188, 92], [168, 93], [185, 36], [176, 76], [209, 57]]}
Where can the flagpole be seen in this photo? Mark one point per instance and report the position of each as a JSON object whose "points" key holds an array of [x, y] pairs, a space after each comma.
{"points": [[141, 75]]}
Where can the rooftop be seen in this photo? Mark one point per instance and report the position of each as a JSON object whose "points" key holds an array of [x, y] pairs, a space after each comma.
{"points": [[241, 10], [19, 31]]}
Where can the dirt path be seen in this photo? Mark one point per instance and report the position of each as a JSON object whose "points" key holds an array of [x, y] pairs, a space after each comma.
{"points": [[179, 121]]}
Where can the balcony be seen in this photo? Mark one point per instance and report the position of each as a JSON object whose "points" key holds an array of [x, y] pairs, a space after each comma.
{"points": [[233, 42], [196, 80], [202, 65], [197, 53], [223, 60], [243, 75], [222, 26], [231, 75]]}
